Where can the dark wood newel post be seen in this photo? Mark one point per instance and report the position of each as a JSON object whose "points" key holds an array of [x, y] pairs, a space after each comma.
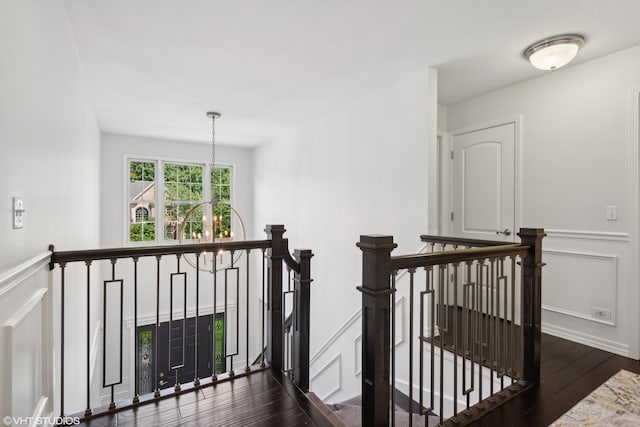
{"points": [[532, 303], [376, 310], [275, 255], [301, 330]]}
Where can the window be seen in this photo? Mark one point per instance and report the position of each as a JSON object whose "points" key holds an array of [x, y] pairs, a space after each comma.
{"points": [[142, 214], [142, 196], [176, 190], [183, 191], [221, 189]]}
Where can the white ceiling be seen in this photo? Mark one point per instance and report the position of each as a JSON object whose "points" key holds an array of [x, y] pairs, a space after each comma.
{"points": [[156, 66]]}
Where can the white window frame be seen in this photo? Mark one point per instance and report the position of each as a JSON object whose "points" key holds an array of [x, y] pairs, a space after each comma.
{"points": [[159, 199]]}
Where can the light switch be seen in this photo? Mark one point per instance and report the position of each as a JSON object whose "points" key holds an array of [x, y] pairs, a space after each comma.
{"points": [[18, 212], [612, 213]]}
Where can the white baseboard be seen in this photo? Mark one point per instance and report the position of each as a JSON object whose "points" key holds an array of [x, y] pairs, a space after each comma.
{"points": [[586, 339]]}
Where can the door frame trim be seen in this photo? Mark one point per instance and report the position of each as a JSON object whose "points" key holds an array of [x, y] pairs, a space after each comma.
{"points": [[517, 121], [634, 222]]}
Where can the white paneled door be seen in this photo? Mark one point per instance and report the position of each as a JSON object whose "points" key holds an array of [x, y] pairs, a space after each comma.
{"points": [[484, 183]]}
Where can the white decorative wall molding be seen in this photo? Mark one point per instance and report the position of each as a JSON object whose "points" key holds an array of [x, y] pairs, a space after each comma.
{"points": [[341, 330], [400, 321], [26, 309], [576, 314], [587, 235], [612, 260], [586, 339], [26, 357], [41, 408], [334, 364], [20, 273], [634, 223]]}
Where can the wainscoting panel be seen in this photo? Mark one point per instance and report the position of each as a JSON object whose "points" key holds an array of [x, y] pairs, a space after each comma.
{"points": [[585, 286], [25, 340], [578, 272], [24, 333], [328, 380]]}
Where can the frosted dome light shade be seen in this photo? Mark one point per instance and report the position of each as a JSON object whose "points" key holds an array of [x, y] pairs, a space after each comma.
{"points": [[555, 52]]}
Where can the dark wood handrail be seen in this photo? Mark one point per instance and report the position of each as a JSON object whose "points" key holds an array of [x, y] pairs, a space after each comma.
{"points": [[138, 252], [459, 241], [457, 256]]}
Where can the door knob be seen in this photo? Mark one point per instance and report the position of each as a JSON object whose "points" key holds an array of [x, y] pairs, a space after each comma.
{"points": [[506, 232], [161, 383]]}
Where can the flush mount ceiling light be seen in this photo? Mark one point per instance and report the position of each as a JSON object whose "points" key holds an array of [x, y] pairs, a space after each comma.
{"points": [[554, 52]]}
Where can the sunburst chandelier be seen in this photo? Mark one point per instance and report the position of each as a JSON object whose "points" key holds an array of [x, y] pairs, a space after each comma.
{"points": [[220, 222]]}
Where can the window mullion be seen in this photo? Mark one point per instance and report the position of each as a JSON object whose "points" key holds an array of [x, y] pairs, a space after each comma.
{"points": [[160, 200]]}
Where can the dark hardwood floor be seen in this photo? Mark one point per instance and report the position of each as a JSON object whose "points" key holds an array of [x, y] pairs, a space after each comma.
{"points": [[569, 372], [259, 399]]}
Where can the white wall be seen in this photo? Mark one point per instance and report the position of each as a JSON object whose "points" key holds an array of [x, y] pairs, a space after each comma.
{"points": [[50, 143], [361, 169], [575, 163], [48, 134]]}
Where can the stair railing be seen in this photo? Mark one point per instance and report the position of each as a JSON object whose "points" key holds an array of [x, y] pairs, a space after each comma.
{"points": [[493, 291], [113, 277]]}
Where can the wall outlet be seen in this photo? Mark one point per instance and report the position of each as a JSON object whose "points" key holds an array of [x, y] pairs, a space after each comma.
{"points": [[601, 313], [18, 212], [612, 213]]}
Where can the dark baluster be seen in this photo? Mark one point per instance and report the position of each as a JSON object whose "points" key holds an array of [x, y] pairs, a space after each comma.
{"points": [[275, 254], [196, 380], [287, 332], [226, 320], [136, 398], [432, 312], [112, 404], [497, 319], [443, 275], [481, 317], [156, 393], [392, 411], [505, 314], [214, 375], [87, 411], [180, 365], [532, 303], [455, 340], [513, 318], [247, 368], [302, 294], [237, 351], [412, 273], [62, 269], [491, 349], [429, 292], [376, 268], [107, 329], [264, 302], [468, 293]]}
